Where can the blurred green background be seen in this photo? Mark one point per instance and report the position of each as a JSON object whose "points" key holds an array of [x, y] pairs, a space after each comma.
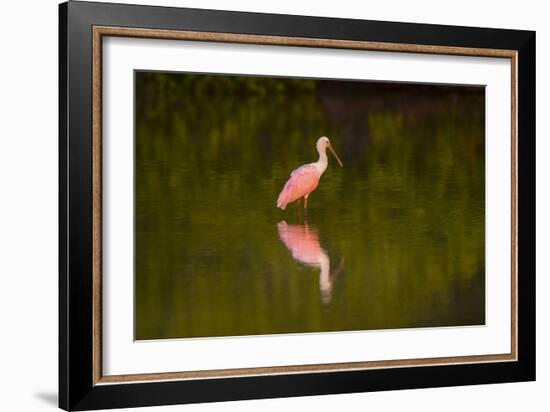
{"points": [[401, 225]]}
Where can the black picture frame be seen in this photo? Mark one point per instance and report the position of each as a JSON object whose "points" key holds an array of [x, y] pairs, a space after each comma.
{"points": [[77, 390]]}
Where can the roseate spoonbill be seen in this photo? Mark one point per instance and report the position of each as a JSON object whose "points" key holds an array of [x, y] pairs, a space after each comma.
{"points": [[305, 179], [303, 242]]}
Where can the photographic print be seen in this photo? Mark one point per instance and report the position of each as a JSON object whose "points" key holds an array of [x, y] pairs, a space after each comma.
{"points": [[271, 205], [263, 205]]}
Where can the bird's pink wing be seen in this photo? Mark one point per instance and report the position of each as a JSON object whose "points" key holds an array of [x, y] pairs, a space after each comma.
{"points": [[302, 241], [302, 181]]}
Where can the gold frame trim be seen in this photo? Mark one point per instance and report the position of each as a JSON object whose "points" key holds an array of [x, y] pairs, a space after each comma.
{"points": [[100, 31]]}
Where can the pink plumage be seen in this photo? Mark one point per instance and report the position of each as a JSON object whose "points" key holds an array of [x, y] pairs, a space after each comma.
{"points": [[303, 243], [302, 182], [305, 179]]}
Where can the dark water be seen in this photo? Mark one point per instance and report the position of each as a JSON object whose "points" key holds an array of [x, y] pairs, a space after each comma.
{"points": [[395, 239]]}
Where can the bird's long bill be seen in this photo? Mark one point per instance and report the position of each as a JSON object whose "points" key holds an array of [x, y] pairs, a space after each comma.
{"points": [[335, 155]]}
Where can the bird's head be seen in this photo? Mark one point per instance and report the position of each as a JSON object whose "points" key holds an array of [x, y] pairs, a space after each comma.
{"points": [[323, 143]]}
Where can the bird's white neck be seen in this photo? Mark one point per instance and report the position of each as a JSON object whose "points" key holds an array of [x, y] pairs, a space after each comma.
{"points": [[325, 282], [322, 163]]}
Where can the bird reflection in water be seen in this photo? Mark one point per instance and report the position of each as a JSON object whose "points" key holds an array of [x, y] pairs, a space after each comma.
{"points": [[303, 242]]}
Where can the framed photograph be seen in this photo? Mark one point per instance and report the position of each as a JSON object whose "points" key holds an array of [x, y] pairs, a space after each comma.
{"points": [[256, 205]]}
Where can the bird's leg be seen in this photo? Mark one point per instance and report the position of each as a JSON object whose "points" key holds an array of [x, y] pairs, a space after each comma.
{"points": [[305, 202]]}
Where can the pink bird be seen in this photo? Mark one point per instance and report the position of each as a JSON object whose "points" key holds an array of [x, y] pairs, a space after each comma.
{"points": [[303, 242], [305, 179]]}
